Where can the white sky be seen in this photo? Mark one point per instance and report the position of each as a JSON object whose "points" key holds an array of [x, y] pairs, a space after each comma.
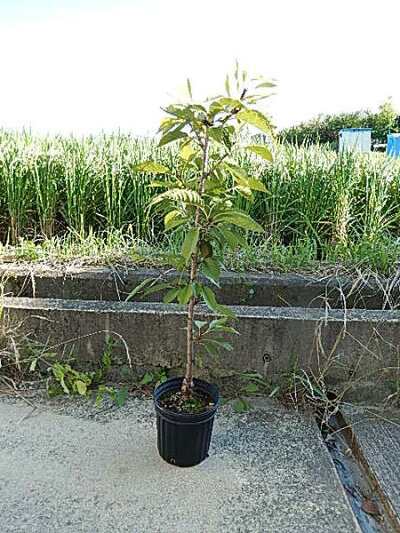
{"points": [[84, 65]]}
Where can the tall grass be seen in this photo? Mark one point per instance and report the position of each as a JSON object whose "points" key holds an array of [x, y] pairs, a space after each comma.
{"points": [[50, 187]]}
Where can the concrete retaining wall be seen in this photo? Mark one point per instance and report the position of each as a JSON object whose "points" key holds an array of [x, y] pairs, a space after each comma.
{"points": [[359, 345], [275, 290]]}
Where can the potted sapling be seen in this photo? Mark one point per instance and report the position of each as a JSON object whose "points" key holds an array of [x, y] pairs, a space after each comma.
{"points": [[197, 197]]}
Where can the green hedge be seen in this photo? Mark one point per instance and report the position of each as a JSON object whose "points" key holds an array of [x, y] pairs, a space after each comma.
{"points": [[325, 128]]}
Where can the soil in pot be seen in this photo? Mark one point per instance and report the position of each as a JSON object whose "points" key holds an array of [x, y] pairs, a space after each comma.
{"points": [[199, 402]]}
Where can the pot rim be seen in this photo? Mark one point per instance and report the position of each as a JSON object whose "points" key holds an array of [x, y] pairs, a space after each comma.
{"points": [[210, 388]]}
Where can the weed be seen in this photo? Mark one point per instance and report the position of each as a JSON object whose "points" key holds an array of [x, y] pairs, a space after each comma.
{"points": [[154, 378]]}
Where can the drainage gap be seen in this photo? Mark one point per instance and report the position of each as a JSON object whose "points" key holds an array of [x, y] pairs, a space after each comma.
{"points": [[362, 492]]}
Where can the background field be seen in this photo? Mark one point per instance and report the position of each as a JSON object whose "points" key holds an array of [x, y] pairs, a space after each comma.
{"points": [[82, 195]]}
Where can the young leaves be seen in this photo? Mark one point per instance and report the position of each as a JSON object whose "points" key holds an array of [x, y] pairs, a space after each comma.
{"points": [[199, 195], [186, 196]]}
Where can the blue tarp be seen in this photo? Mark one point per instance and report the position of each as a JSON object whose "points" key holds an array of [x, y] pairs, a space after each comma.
{"points": [[393, 144]]}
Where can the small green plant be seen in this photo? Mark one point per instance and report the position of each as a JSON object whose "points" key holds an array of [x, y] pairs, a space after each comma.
{"points": [[153, 378], [22, 360], [66, 379], [253, 384], [198, 198], [304, 389]]}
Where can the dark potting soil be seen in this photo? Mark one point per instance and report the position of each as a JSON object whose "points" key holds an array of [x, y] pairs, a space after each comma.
{"points": [[199, 402]]}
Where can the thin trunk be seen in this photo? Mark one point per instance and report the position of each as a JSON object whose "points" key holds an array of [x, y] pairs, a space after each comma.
{"points": [[187, 384]]}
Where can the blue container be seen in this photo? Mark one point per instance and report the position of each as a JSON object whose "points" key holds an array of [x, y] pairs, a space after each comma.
{"points": [[355, 139], [393, 144]]}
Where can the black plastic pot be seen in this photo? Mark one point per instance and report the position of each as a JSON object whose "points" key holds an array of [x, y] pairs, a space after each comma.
{"points": [[184, 439]]}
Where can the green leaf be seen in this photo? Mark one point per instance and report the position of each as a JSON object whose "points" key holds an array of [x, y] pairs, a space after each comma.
{"points": [[180, 111], [227, 85], [251, 388], [147, 379], [211, 349], [246, 184], [217, 134], [170, 295], [225, 311], [139, 288], [162, 378], [173, 219], [190, 243], [167, 124], [256, 185], [200, 323], [262, 151], [157, 287], [197, 289], [238, 218], [211, 302], [178, 195], [232, 238], [157, 184], [189, 88], [220, 325], [218, 344], [241, 406], [81, 387], [187, 152], [230, 102], [121, 396], [151, 166], [211, 270], [217, 322], [184, 294], [267, 84], [244, 191], [209, 298], [255, 118], [106, 359], [174, 260], [172, 136], [32, 366], [236, 171]]}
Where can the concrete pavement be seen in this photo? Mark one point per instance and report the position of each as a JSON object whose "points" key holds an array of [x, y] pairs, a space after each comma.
{"points": [[69, 467]]}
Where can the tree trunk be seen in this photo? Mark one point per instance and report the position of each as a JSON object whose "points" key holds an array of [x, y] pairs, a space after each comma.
{"points": [[187, 384]]}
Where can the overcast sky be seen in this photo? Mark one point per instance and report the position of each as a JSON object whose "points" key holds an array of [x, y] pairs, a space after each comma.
{"points": [[83, 65]]}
